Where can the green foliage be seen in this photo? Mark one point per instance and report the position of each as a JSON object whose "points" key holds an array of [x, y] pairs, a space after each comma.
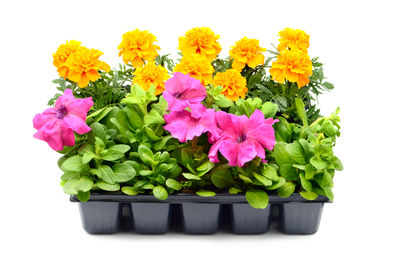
{"points": [[306, 158], [107, 91], [128, 150]]}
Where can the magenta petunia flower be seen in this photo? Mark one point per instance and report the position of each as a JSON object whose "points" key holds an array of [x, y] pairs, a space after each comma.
{"points": [[56, 125], [182, 91], [184, 127], [243, 138]]}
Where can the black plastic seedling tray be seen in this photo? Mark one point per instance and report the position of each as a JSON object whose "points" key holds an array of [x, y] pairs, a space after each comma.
{"points": [[192, 214]]}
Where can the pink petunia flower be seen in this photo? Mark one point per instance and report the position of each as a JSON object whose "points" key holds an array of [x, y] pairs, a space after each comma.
{"points": [[56, 125], [243, 138], [184, 127], [182, 91]]}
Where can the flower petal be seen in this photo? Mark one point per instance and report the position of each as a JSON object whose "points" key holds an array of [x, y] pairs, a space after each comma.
{"points": [[245, 152], [50, 132], [80, 107], [76, 123], [66, 99], [41, 119]]}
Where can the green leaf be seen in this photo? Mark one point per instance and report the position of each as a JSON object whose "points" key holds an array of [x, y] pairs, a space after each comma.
{"points": [[318, 163], [145, 154], [145, 172], [288, 172], [309, 172], [129, 190], [329, 129], [191, 176], [306, 147], [98, 145], [160, 192], [69, 175], [111, 155], [151, 134], [301, 111], [161, 144], [76, 184], [269, 109], [120, 148], [328, 85], [106, 186], [73, 164], [270, 172], [281, 155], [204, 168], [264, 180], [257, 199], [174, 184], [83, 196], [338, 164], [286, 190], [296, 152], [234, 190], [222, 178], [280, 183], [245, 179], [308, 195], [222, 101], [187, 159], [123, 172], [134, 118], [306, 184], [105, 173], [328, 193], [99, 131], [153, 118], [205, 193], [327, 180], [99, 114]]}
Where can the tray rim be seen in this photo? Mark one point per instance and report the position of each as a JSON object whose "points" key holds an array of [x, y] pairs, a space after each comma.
{"points": [[221, 198]]}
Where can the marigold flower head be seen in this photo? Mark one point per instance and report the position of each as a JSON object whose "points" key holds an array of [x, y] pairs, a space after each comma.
{"points": [[293, 65], [233, 83], [247, 51], [83, 66], [197, 67], [293, 39], [151, 74], [62, 54], [137, 46], [200, 41]]}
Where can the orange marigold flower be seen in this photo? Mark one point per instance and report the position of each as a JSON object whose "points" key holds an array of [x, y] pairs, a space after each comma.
{"points": [[293, 65], [137, 46], [197, 67], [247, 51], [62, 54], [233, 83], [83, 66], [200, 41], [151, 74], [293, 39]]}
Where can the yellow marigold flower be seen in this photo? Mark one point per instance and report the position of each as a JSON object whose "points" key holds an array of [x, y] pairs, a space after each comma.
{"points": [[293, 65], [293, 39], [197, 67], [200, 41], [62, 54], [233, 83], [137, 46], [151, 74], [247, 51], [83, 66]]}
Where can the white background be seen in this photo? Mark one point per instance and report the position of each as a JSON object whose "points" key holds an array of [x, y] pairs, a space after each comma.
{"points": [[358, 41]]}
